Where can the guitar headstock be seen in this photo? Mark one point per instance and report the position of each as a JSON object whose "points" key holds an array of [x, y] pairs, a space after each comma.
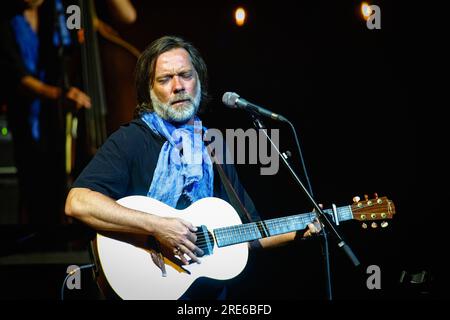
{"points": [[370, 211]]}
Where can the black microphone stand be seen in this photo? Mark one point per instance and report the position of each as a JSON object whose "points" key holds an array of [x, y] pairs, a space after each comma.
{"points": [[322, 217], [326, 257]]}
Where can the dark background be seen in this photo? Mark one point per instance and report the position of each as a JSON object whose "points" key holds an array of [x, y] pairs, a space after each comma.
{"points": [[347, 91]]}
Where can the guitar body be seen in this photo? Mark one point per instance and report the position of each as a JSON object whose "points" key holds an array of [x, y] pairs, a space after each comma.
{"points": [[131, 272]]}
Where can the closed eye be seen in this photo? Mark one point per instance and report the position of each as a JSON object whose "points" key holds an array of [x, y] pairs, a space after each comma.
{"points": [[163, 80], [186, 75]]}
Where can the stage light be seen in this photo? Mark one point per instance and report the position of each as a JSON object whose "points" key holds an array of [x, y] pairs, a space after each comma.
{"points": [[366, 10], [240, 15]]}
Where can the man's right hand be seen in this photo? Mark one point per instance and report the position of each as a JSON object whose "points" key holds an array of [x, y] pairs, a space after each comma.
{"points": [[178, 236]]}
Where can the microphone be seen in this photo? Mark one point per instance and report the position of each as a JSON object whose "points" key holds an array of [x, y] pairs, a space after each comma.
{"points": [[233, 100]]}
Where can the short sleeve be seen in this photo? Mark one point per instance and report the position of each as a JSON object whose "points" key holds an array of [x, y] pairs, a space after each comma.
{"points": [[108, 171]]}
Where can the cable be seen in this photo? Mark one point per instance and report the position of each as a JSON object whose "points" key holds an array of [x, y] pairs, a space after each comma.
{"points": [[72, 273], [325, 248], [301, 158]]}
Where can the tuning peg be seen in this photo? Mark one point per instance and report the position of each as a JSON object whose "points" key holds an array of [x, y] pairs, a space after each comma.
{"points": [[364, 225], [356, 199], [374, 225], [379, 201], [384, 224], [366, 197]]}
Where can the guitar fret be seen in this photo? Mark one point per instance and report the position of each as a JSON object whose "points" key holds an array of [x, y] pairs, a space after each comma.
{"points": [[237, 234]]}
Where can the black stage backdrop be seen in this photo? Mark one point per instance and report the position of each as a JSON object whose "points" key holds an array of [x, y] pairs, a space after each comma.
{"points": [[346, 89]]}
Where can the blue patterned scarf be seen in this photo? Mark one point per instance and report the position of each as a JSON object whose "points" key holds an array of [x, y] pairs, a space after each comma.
{"points": [[184, 166]]}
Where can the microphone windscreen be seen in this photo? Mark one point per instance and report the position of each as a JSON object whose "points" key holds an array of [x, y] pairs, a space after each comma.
{"points": [[229, 99]]}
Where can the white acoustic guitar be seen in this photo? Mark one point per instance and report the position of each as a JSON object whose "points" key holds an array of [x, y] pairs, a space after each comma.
{"points": [[128, 261]]}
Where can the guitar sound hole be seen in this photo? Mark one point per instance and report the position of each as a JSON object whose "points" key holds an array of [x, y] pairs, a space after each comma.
{"points": [[205, 241]]}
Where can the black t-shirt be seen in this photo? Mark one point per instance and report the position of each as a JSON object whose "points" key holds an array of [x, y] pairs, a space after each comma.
{"points": [[125, 164]]}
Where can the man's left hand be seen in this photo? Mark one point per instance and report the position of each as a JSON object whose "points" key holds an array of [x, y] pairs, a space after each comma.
{"points": [[314, 227]]}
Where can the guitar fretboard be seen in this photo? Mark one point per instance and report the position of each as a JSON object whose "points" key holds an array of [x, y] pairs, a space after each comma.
{"points": [[261, 229]]}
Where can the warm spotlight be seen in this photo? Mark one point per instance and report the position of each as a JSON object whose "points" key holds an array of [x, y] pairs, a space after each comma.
{"points": [[366, 10], [240, 15]]}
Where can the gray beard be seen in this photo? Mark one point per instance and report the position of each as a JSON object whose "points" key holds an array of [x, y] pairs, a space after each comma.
{"points": [[179, 114]]}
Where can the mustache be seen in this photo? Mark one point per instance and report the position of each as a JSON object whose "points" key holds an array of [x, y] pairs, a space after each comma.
{"points": [[181, 97]]}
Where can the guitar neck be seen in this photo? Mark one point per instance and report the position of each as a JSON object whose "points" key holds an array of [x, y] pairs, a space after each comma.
{"points": [[231, 235]]}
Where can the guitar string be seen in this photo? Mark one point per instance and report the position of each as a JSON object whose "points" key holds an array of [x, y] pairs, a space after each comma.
{"points": [[240, 233], [229, 235]]}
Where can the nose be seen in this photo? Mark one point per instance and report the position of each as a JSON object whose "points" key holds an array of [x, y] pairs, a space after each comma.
{"points": [[178, 85]]}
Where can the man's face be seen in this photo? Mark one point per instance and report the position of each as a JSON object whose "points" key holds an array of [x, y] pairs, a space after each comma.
{"points": [[175, 91]]}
